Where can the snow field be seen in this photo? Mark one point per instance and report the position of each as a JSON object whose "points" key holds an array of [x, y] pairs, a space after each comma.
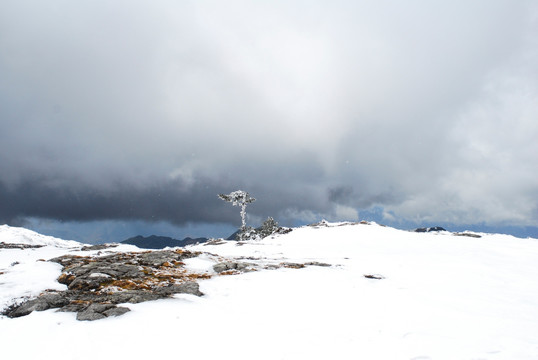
{"points": [[442, 297]]}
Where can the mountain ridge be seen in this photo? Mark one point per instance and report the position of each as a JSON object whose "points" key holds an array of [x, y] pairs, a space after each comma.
{"points": [[160, 242]]}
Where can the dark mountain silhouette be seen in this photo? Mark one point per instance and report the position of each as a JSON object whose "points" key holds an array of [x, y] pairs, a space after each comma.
{"points": [[160, 242], [430, 229], [234, 235]]}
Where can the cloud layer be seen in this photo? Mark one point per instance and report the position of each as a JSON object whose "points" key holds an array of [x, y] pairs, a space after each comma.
{"points": [[146, 110]]}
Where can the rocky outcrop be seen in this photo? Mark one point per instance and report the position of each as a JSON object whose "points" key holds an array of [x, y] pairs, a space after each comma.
{"points": [[374, 276], [232, 265], [98, 247], [4, 245], [101, 311], [44, 302], [468, 234], [97, 284]]}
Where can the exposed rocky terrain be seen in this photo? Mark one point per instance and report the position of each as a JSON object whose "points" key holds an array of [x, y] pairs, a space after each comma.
{"points": [[4, 245], [97, 284]]}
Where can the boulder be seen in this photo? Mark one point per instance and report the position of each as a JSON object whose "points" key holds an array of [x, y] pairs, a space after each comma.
{"points": [[98, 311], [231, 265], [190, 287], [44, 302]]}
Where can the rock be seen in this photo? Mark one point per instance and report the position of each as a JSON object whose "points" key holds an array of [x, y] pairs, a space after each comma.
{"points": [[87, 282], [89, 316], [215, 242], [44, 302], [224, 266], [98, 311], [469, 234], [93, 275], [96, 285], [54, 300], [317, 263], [27, 307], [231, 265], [68, 261], [322, 223], [116, 311], [158, 258], [114, 269], [73, 307], [292, 265], [4, 245], [374, 276], [94, 312], [190, 287], [132, 296], [98, 247]]}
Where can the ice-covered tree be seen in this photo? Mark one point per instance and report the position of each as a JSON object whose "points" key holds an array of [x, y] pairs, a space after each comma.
{"points": [[239, 198]]}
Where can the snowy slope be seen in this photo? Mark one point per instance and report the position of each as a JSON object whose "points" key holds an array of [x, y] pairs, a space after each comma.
{"points": [[23, 273], [17, 235], [441, 297]]}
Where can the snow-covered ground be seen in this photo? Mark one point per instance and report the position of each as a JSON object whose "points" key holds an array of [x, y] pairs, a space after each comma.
{"points": [[441, 297]]}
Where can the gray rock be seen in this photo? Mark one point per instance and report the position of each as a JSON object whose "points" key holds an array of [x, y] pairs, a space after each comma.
{"points": [[94, 312], [158, 258], [317, 263], [231, 265], [95, 283], [469, 234], [98, 247], [100, 311], [190, 287], [69, 260], [117, 270], [3, 245], [87, 283], [28, 307], [374, 276], [55, 300], [116, 311], [132, 296], [89, 316], [41, 303], [72, 307]]}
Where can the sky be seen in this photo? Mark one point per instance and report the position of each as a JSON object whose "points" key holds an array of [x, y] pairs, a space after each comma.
{"points": [[120, 118]]}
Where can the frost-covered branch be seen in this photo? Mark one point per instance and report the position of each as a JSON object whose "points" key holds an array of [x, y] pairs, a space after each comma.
{"points": [[239, 198]]}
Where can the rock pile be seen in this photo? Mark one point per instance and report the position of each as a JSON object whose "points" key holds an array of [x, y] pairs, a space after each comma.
{"points": [[4, 245], [96, 285]]}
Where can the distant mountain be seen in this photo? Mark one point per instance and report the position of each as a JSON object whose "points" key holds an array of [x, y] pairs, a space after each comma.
{"points": [[430, 229], [234, 235], [160, 242]]}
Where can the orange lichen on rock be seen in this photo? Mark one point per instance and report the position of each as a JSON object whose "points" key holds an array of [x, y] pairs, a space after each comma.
{"points": [[66, 278]]}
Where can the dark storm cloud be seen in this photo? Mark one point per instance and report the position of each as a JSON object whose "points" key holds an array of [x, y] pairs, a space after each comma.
{"points": [[169, 201], [146, 110], [163, 202]]}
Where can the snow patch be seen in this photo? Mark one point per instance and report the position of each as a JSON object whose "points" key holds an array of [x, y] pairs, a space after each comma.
{"points": [[17, 235]]}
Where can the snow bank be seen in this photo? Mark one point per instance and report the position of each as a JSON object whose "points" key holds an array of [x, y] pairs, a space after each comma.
{"points": [[17, 235], [441, 297]]}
